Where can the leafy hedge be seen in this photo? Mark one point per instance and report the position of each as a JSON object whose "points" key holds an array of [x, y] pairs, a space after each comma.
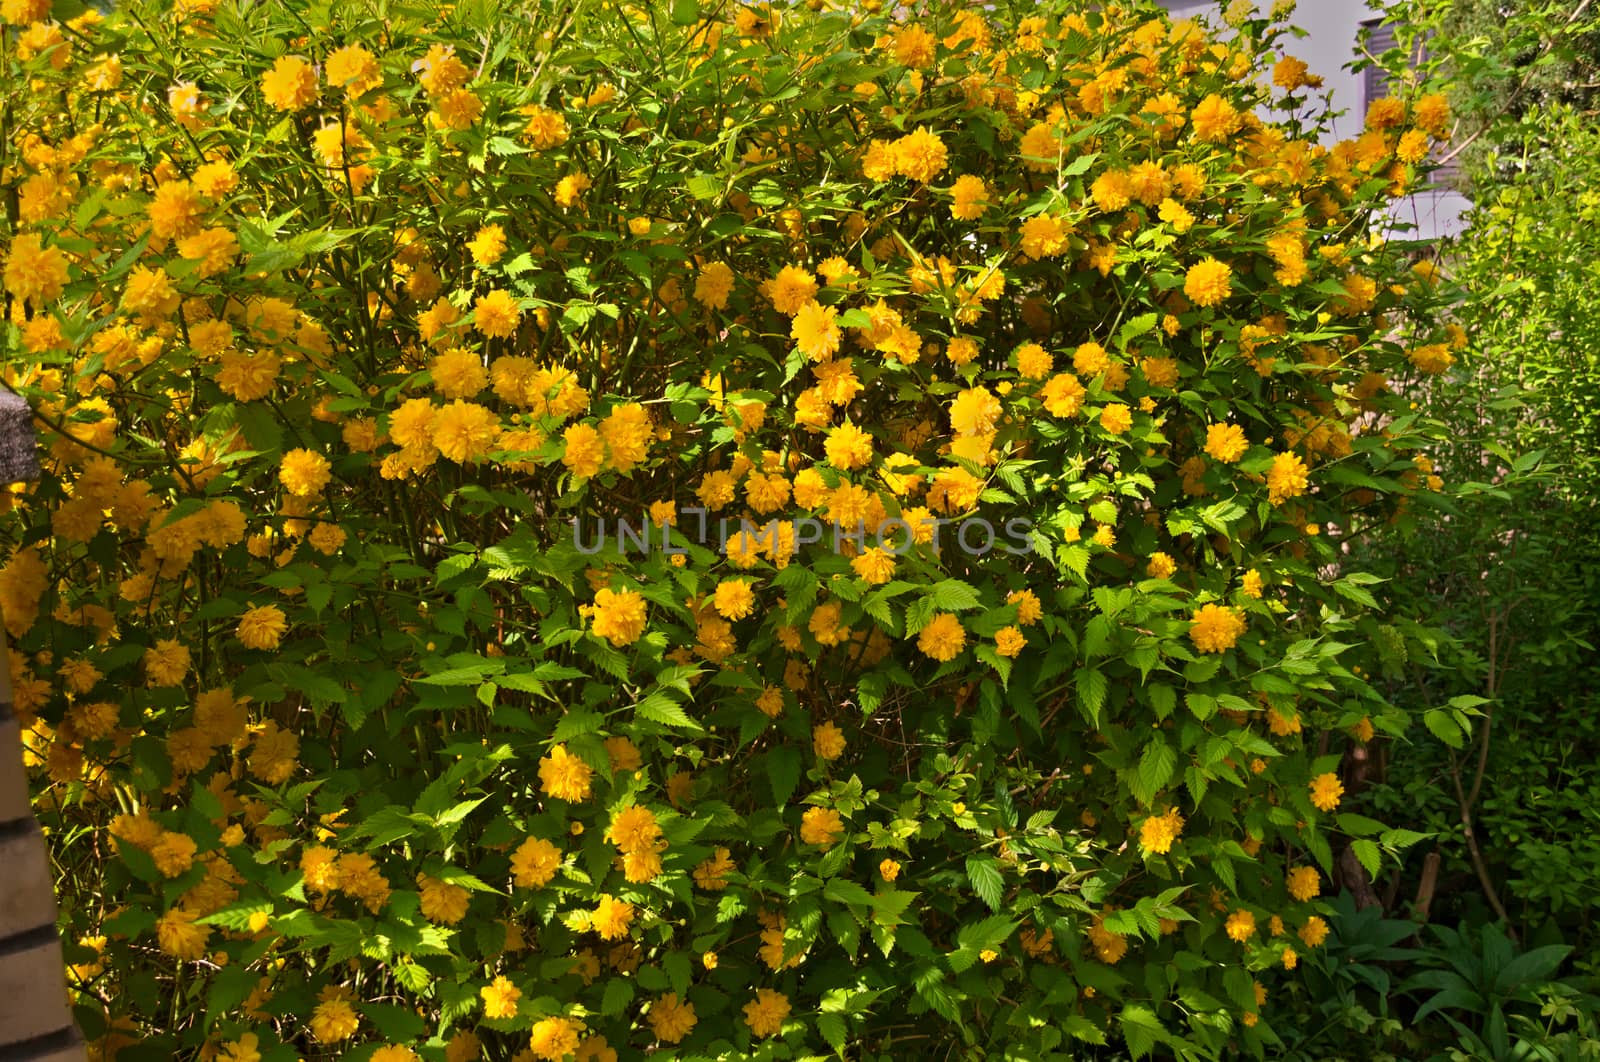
{"points": [[354, 324]]}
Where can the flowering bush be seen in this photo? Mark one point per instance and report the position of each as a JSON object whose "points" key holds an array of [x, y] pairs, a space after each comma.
{"points": [[717, 530]]}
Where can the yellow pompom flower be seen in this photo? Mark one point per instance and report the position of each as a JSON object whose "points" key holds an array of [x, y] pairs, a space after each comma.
{"points": [[334, 1020], [1287, 478], [1208, 282], [290, 85], [1158, 832], [815, 330], [671, 1019], [1326, 789], [765, 1014], [1304, 883], [500, 998], [564, 776], [1241, 926], [1216, 628], [828, 741], [1225, 442], [611, 918], [497, 314], [618, 616], [943, 638], [821, 826], [1160, 566], [553, 1039], [1116, 418], [262, 627], [304, 473], [535, 862], [1314, 932]]}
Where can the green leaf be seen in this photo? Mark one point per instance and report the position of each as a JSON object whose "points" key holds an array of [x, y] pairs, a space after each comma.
{"points": [[783, 772], [659, 708], [984, 874], [1154, 771], [953, 595]]}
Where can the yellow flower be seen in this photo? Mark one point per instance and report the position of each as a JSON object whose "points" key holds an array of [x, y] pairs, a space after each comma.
{"points": [[764, 1014], [166, 663], [791, 290], [290, 85], [1326, 789], [1062, 395], [564, 776], [500, 999], [1214, 119], [848, 447], [821, 826], [815, 330], [442, 901], [943, 638], [1116, 418], [1225, 442], [969, 198], [553, 1039], [828, 741], [1287, 478], [1251, 583], [1160, 566], [353, 69], [334, 1020], [1216, 628], [1314, 932], [974, 412], [1009, 641], [1208, 282], [262, 627], [1241, 926], [611, 918], [1159, 831], [497, 314], [1304, 883], [634, 828], [672, 1019], [888, 869], [920, 155], [304, 473], [713, 286], [618, 616], [535, 862]]}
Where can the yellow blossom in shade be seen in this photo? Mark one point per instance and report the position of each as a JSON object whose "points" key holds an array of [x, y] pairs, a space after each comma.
{"points": [[1009, 641], [1225, 442], [393, 1053], [828, 741], [173, 853], [1208, 282], [711, 874], [262, 627], [888, 870], [821, 826], [618, 616], [611, 918], [1326, 789], [920, 155], [1304, 883], [1287, 478], [334, 1020], [734, 599], [1116, 418], [442, 901], [1216, 628], [535, 862], [623, 754], [848, 447], [290, 85], [553, 1039], [178, 936], [713, 285], [1158, 832], [1251, 583], [166, 663], [500, 998], [1241, 926], [969, 198], [1160, 566], [1314, 932], [765, 1014], [791, 289], [304, 473], [672, 1019], [634, 828], [1029, 608], [564, 776], [815, 330], [943, 638], [1363, 730], [1109, 947], [497, 314]]}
